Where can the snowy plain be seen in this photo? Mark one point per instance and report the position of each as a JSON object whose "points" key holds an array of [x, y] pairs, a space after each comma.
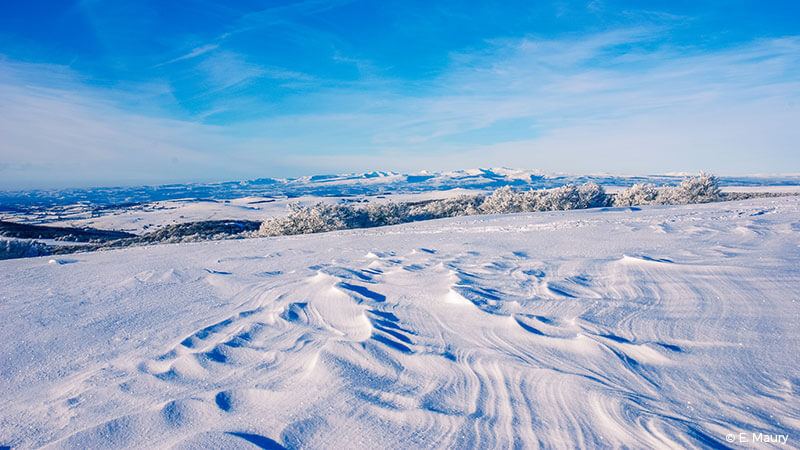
{"points": [[651, 327]]}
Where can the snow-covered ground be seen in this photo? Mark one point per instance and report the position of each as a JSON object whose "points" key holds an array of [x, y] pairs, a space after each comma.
{"points": [[650, 327]]}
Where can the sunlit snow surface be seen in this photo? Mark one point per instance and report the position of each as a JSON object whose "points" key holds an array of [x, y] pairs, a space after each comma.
{"points": [[649, 328]]}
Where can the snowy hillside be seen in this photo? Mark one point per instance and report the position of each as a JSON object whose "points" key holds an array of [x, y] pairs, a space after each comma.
{"points": [[651, 327]]}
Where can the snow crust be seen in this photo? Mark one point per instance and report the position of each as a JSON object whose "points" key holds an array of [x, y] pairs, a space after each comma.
{"points": [[659, 326]]}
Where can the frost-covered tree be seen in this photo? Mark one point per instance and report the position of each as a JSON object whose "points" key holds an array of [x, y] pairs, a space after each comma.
{"points": [[323, 217], [463, 205], [505, 200], [638, 194], [703, 188], [700, 189], [502, 201], [382, 214], [592, 195], [560, 198], [307, 219]]}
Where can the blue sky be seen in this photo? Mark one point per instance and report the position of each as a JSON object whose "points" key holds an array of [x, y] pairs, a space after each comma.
{"points": [[98, 92]]}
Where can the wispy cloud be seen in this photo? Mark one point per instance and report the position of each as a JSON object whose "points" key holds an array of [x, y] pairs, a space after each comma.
{"points": [[265, 18], [608, 101], [58, 132], [561, 83], [194, 53], [599, 102]]}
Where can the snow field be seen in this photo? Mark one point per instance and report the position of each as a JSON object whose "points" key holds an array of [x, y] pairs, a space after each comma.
{"points": [[667, 326]]}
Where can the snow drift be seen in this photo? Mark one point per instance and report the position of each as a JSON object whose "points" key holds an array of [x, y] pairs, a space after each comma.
{"points": [[658, 327]]}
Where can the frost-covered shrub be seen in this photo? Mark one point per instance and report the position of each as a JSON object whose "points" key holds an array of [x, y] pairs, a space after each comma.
{"points": [[390, 213], [560, 198], [12, 248], [308, 219], [592, 195], [638, 194], [505, 200], [703, 188], [323, 217], [463, 205], [502, 201], [195, 232]]}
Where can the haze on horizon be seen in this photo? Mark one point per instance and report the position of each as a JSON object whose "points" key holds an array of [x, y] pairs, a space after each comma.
{"points": [[97, 92]]}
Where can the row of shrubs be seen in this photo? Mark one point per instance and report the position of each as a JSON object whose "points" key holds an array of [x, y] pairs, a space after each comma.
{"points": [[323, 217]]}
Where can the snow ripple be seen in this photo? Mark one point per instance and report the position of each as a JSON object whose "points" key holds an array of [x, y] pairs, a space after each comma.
{"points": [[545, 334]]}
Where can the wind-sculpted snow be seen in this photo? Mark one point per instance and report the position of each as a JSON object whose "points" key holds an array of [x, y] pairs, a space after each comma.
{"points": [[652, 327]]}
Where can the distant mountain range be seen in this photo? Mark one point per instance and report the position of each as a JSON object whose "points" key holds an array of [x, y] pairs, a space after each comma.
{"points": [[371, 183]]}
